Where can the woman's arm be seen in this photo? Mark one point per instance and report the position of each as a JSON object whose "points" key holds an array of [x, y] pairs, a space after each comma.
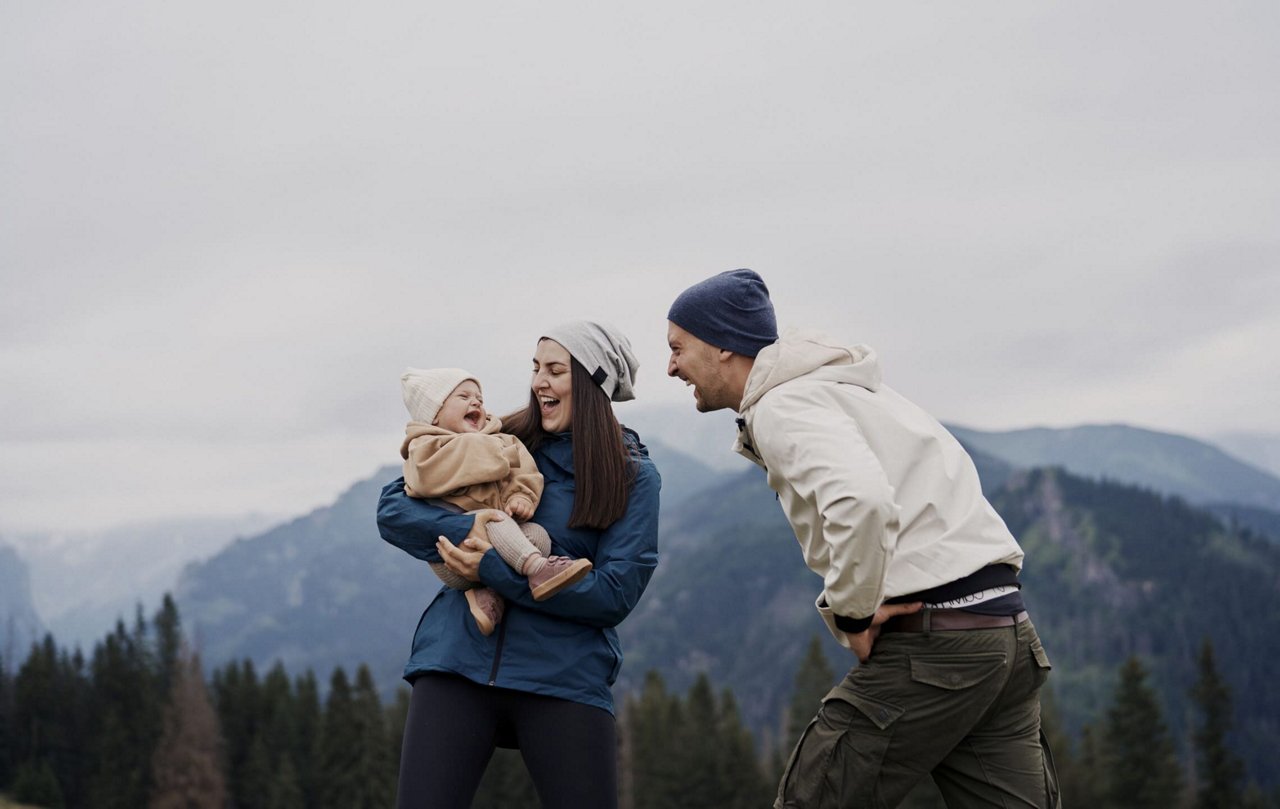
{"points": [[413, 525], [625, 560]]}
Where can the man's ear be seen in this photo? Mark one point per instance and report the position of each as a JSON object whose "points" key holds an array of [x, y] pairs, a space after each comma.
{"points": [[725, 355]]}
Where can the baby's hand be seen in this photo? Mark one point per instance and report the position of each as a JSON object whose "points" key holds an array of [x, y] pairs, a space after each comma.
{"points": [[520, 507]]}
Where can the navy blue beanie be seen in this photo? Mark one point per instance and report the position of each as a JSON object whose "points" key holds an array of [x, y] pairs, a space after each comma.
{"points": [[731, 310]]}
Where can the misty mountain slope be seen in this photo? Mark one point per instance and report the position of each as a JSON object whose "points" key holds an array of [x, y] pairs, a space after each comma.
{"points": [[1117, 570], [84, 582], [1173, 464], [19, 624], [1261, 521], [320, 591], [683, 475], [1258, 448]]}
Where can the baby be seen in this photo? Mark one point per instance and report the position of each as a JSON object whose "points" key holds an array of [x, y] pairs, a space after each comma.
{"points": [[453, 452]]}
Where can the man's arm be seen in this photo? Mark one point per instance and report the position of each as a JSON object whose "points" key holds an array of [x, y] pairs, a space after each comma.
{"points": [[806, 438]]}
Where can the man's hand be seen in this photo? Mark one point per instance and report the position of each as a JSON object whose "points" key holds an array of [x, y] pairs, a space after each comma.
{"points": [[863, 641], [520, 507]]}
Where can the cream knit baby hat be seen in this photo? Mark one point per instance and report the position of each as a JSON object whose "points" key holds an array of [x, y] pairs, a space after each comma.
{"points": [[424, 391]]}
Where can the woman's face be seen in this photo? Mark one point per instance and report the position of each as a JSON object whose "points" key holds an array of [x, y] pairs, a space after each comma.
{"points": [[552, 387]]}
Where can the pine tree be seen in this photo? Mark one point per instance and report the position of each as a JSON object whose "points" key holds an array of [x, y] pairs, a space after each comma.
{"points": [[1067, 765], [128, 721], [1219, 771], [35, 692], [653, 722], [168, 645], [306, 722], [339, 786], [256, 775], [1089, 787], [744, 784], [271, 769], [1142, 769], [237, 696], [813, 680], [397, 714], [6, 723], [50, 717], [285, 791], [377, 772], [187, 767], [37, 785], [698, 772]]}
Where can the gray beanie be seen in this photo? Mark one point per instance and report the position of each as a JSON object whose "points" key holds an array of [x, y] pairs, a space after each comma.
{"points": [[731, 310], [604, 352]]}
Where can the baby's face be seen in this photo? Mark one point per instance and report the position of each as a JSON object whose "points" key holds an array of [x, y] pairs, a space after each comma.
{"points": [[463, 409]]}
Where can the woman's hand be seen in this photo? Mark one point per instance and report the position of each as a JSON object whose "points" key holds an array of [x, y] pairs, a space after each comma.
{"points": [[463, 561]]}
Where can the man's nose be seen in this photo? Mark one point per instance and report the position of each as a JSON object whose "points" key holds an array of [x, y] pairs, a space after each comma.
{"points": [[671, 366]]}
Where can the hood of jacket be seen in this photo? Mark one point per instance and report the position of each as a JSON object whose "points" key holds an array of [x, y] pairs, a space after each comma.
{"points": [[802, 352], [419, 429]]}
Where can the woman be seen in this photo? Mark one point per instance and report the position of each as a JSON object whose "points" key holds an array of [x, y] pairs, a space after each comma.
{"points": [[541, 681]]}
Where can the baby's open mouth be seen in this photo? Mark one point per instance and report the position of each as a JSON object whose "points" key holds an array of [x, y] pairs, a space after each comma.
{"points": [[472, 418]]}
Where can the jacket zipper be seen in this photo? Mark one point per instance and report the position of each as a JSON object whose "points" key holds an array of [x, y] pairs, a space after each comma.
{"points": [[497, 655]]}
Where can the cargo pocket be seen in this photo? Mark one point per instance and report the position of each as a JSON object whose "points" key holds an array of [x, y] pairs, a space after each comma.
{"points": [[1043, 667], [956, 672], [840, 752]]}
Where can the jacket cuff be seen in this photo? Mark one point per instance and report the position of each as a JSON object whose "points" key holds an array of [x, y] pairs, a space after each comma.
{"points": [[852, 626]]}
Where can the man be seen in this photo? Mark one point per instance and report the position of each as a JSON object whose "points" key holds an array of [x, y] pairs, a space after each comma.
{"points": [[919, 573]]}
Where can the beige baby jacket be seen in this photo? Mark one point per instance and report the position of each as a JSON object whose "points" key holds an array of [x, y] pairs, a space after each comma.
{"points": [[471, 470]]}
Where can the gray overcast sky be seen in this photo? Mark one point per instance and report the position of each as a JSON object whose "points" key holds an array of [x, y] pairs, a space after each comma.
{"points": [[226, 227]]}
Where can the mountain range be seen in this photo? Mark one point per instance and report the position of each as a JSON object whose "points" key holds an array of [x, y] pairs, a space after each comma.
{"points": [[1137, 542], [1173, 464], [83, 582], [1112, 570]]}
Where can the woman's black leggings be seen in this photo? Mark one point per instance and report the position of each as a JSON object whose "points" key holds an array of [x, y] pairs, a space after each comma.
{"points": [[454, 725]]}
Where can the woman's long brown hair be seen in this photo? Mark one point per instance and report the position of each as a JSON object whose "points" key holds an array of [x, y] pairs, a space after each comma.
{"points": [[602, 467]]}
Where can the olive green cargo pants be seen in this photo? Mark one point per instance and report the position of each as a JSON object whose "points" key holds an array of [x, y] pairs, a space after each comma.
{"points": [[961, 704]]}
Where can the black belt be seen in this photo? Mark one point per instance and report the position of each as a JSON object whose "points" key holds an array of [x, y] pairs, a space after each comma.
{"points": [[944, 620]]}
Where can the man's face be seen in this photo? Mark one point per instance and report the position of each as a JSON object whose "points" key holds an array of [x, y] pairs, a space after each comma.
{"points": [[698, 364]]}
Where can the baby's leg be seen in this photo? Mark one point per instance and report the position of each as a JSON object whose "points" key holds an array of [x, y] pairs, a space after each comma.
{"points": [[450, 578], [511, 543], [538, 536]]}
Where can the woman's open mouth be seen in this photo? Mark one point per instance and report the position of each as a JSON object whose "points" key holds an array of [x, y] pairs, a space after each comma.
{"points": [[547, 405]]}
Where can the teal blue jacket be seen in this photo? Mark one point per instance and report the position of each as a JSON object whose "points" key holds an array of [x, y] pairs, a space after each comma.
{"points": [[565, 646]]}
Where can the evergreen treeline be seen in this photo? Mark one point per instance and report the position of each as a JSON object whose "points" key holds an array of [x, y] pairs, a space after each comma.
{"points": [[136, 725]]}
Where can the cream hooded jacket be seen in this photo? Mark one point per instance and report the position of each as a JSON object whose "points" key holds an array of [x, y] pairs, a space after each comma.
{"points": [[883, 500]]}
